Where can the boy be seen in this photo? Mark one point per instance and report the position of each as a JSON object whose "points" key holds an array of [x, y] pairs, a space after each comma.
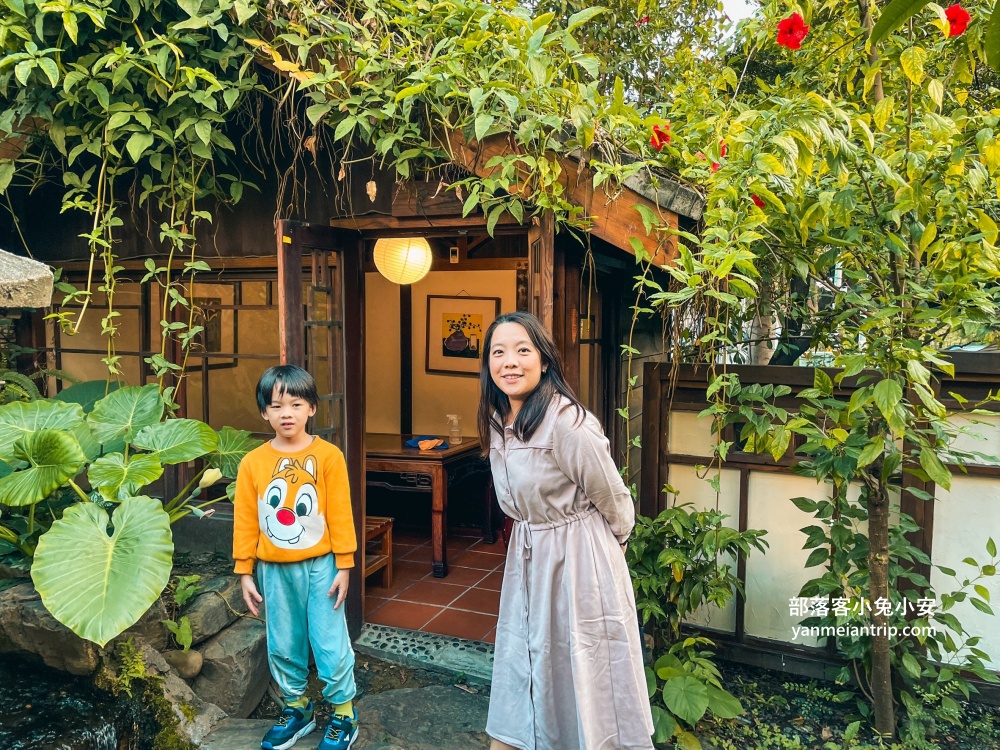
{"points": [[292, 513]]}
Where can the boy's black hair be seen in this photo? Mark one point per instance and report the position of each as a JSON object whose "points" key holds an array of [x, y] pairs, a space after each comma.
{"points": [[291, 380]]}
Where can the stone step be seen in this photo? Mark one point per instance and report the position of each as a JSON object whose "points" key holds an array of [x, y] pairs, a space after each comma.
{"points": [[245, 734], [436, 717]]}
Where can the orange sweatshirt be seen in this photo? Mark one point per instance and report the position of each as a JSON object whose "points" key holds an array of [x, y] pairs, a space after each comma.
{"points": [[293, 506]]}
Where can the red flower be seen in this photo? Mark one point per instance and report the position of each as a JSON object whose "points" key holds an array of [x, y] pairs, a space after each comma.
{"points": [[958, 19], [715, 166], [757, 200], [791, 31], [660, 136], [642, 21], [700, 156], [723, 149]]}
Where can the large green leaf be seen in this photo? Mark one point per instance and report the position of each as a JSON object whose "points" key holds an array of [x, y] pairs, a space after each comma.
{"points": [[87, 393], [98, 584], [19, 419], [991, 39], [115, 478], [125, 412], [664, 725], [53, 457], [233, 446], [177, 440], [85, 437], [723, 703], [936, 470], [686, 698], [888, 393], [892, 17]]}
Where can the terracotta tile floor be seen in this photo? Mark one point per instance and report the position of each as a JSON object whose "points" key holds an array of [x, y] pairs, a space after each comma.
{"points": [[463, 604]]}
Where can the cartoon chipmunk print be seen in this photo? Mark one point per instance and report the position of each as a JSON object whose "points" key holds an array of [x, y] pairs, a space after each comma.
{"points": [[289, 512]]}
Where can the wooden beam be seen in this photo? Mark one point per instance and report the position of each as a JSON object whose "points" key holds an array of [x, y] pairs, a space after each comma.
{"points": [[443, 226], [471, 264], [267, 262], [615, 218]]}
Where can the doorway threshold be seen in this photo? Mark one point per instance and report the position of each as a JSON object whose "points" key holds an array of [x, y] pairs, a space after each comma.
{"points": [[417, 649]]}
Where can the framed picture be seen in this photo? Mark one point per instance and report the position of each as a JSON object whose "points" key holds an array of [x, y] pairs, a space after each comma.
{"points": [[455, 328]]}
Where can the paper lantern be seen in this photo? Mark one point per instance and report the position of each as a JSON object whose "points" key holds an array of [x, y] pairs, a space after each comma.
{"points": [[403, 260]]}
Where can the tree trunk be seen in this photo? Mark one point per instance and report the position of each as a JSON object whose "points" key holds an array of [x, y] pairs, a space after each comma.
{"points": [[878, 583]]}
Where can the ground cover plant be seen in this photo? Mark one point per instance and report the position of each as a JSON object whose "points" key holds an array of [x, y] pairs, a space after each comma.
{"points": [[788, 712]]}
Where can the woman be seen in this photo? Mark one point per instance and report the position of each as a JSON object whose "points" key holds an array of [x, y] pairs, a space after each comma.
{"points": [[568, 671]]}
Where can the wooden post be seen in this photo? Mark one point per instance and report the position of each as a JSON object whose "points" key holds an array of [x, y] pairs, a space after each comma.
{"points": [[654, 429], [291, 322], [546, 269], [354, 388], [405, 359]]}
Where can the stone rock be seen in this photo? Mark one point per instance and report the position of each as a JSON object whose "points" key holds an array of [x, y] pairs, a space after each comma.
{"points": [[217, 606], [234, 675], [436, 717], [149, 628], [24, 282], [10, 571], [185, 663], [26, 627], [153, 659], [196, 719]]}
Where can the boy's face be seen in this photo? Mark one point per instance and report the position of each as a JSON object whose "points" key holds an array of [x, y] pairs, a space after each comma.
{"points": [[287, 414]]}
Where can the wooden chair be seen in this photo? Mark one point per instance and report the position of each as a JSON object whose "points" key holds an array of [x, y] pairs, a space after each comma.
{"points": [[378, 539]]}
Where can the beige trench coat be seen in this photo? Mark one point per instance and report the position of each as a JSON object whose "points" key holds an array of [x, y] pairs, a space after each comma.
{"points": [[568, 671]]}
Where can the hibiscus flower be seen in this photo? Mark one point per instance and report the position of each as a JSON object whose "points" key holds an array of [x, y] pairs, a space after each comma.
{"points": [[791, 31], [958, 19], [757, 200], [660, 136], [642, 21]]}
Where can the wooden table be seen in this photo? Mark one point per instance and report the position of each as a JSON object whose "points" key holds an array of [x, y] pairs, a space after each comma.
{"points": [[386, 452]]}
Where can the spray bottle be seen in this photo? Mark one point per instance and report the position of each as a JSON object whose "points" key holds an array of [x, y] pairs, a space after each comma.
{"points": [[454, 431]]}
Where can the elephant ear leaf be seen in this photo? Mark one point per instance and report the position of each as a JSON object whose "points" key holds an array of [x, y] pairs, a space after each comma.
{"points": [[53, 457], [122, 414], [87, 393], [114, 577], [115, 478], [20, 419], [177, 440], [233, 446]]}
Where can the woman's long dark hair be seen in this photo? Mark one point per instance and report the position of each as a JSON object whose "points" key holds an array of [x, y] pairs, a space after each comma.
{"points": [[494, 406]]}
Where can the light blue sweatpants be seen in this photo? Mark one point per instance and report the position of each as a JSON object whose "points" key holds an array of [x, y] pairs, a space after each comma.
{"points": [[299, 615]]}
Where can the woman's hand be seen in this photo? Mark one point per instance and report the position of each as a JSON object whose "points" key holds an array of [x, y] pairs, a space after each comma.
{"points": [[340, 583], [251, 596]]}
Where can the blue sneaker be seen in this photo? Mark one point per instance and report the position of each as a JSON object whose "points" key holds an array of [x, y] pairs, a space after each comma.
{"points": [[292, 724], [340, 732]]}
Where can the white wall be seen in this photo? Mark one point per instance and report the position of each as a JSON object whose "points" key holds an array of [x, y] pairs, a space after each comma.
{"points": [[776, 577], [964, 519], [692, 488]]}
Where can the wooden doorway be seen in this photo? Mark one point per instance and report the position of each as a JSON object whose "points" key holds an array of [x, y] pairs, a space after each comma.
{"points": [[320, 319]]}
